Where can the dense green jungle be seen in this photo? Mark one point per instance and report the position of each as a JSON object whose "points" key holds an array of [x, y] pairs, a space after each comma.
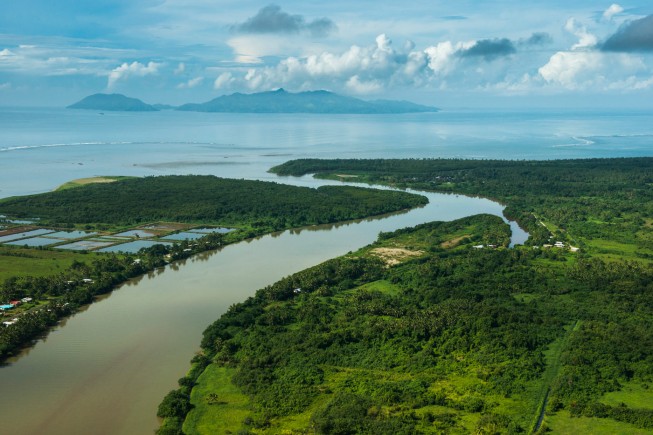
{"points": [[443, 328]]}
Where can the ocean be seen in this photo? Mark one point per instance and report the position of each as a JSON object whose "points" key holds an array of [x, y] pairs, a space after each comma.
{"points": [[41, 148]]}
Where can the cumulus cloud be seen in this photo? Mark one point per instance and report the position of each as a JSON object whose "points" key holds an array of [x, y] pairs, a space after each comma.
{"points": [[585, 39], [357, 69], [224, 80], [613, 10], [593, 70], [271, 19], [371, 69], [633, 36], [134, 69], [180, 69], [191, 83], [439, 57], [502, 65], [565, 67], [489, 49]]}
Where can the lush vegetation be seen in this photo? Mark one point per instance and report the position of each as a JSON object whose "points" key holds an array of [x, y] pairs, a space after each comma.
{"points": [[450, 338], [59, 282], [453, 339], [263, 205], [602, 202]]}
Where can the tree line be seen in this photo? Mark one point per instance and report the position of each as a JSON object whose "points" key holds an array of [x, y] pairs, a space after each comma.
{"points": [[206, 199]]}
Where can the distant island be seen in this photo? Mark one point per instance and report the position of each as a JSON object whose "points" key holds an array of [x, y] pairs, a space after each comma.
{"points": [[279, 101], [112, 102]]}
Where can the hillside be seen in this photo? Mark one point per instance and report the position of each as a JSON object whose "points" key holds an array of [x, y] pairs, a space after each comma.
{"points": [[281, 101], [112, 102]]}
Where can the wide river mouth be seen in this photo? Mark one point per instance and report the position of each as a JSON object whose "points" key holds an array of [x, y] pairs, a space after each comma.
{"points": [[105, 369]]}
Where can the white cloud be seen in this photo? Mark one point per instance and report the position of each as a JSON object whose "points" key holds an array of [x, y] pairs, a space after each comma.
{"points": [[5, 86], [566, 67], [594, 70], [126, 70], [356, 69], [224, 80], [191, 83], [180, 69], [359, 87], [381, 67], [613, 10], [585, 39], [440, 57]]}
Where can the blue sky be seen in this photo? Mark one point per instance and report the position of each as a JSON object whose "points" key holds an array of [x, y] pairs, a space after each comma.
{"points": [[464, 53]]}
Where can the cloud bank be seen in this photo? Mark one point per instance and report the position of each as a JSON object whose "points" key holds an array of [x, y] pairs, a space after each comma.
{"points": [[375, 68], [499, 64]]}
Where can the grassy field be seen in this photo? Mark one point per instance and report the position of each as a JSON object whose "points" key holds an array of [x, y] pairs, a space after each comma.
{"points": [[617, 251], [18, 261], [634, 395], [224, 415], [563, 423]]}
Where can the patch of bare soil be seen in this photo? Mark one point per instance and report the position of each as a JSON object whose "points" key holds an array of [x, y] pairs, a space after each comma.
{"points": [[392, 256]]}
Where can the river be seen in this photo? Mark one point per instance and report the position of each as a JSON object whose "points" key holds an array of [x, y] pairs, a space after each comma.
{"points": [[105, 369]]}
